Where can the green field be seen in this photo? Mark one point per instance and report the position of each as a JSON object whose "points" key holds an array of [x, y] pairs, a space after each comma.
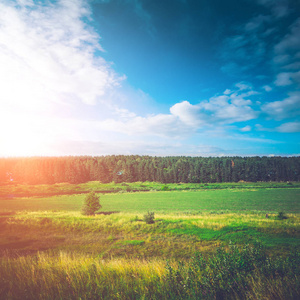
{"points": [[67, 188], [266, 200], [49, 250]]}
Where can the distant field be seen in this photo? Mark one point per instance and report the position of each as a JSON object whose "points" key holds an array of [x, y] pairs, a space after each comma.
{"points": [[265, 200], [14, 190]]}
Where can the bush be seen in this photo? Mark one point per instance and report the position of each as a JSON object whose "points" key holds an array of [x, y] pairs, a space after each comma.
{"points": [[149, 217], [91, 204], [281, 216], [165, 188]]}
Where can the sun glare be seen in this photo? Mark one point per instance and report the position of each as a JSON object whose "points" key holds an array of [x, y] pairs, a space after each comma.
{"points": [[20, 137]]}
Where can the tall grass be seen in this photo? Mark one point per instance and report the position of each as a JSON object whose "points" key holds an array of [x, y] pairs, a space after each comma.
{"points": [[125, 235], [239, 273]]}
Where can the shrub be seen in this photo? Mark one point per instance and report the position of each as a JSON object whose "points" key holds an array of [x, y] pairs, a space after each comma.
{"points": [[149, 217], [281, 216], [165, 188], [91, 204], [128, 189]]}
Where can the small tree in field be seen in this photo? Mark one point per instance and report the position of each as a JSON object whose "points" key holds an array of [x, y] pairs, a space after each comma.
{"points": [[91, 204], [149, 217]]}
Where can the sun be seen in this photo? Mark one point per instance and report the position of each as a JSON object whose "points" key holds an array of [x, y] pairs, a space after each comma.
{"points": [[20, 136]]}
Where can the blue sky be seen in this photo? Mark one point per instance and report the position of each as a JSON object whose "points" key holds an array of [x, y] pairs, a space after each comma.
{"points": [[148, 77]]}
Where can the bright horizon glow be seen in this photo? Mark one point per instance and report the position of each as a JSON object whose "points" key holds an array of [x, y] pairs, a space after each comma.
{"points": [[108, 77]]}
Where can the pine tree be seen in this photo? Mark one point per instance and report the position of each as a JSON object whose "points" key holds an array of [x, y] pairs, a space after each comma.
{"points": [[91, 204]]}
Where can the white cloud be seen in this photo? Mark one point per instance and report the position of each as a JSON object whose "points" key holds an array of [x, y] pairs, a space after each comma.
{"points": [[267, 88], [254, 139], [289, 127], [259, 127], [291, 41], [227, 92], [246, 128], [162, 125], [123, 113], [47, 56], [286, 108], [243, 86], [283, 79], [287, 58], [240, 101], [287, 78], [186, 118], [188, 114], [220, 109], [232, 106], [233, 113]]}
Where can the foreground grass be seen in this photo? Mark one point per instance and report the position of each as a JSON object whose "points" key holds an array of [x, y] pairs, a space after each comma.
{"points": [[239, 273], [126, 235], [64, 255]]}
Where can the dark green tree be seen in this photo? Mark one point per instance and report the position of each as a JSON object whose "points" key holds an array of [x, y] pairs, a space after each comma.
{"points": [[91, 204]]}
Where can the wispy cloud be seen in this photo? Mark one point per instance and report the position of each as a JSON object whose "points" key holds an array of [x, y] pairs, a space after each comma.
{"points": [[267, 88], [258, 37], [127, 147], [49, 52], [287, 108], [246, 47], [287, 78], [162, 125], [157, 148], [144, 15], [287, 57], [246, 128], [262, 140], [242, 52], [185, 118], [257, 23], [279, 8], [290, 41], [289, 127]]}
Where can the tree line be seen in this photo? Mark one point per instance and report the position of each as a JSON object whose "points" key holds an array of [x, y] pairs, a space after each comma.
{"points": [[131, 168]]}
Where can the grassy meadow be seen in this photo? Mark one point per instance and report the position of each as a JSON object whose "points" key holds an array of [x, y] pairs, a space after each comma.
{"points": [[207, 242]]}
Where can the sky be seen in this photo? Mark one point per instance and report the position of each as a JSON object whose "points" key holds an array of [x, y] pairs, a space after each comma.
{"points": [[150, 77]]}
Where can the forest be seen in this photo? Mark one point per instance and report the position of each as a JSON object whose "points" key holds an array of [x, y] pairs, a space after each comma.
{"points": [[132, 168]]}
